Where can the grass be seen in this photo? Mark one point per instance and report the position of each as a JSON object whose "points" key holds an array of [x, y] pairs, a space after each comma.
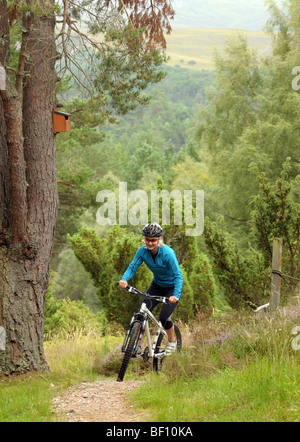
{"points": [[194, 48], [234, 367], [262, 391], [79, 354], [27, 398]]}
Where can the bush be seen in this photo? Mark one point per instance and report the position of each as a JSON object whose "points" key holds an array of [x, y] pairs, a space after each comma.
{"points": [[111, 363], [64, 317], [245, 279], [203, 283]]}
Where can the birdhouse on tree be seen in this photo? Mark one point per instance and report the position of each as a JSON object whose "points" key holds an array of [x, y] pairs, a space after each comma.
{"points": [[61, 121]]}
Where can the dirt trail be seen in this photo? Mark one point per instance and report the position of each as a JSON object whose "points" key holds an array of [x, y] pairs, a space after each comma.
{"points": [[99, 401]]}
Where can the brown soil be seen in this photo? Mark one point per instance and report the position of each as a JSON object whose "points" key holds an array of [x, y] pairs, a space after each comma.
{"points": [[100, 401]]}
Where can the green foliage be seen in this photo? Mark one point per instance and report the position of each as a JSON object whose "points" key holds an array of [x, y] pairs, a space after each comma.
{"points": [[64, 317], [252, 116], [106, 259], [88, 247], [283, 26], [119, 252], [185, 310], [83, 161], [86, 112], [244, 278], [121, 55], [246, 275], [231, 113], [170, 113], [79, 180], [203, 282], [91, 157], [277, 214], [72, 281]]}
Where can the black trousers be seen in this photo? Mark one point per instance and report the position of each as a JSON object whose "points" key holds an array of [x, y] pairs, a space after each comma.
{"points": [[167, 310]]}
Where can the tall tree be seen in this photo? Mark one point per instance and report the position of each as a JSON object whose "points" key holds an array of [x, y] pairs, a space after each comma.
{"points": [[252, 116], [34, 35]]}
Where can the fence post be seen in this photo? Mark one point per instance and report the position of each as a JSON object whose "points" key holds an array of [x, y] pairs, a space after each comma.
{"points": [[276, 274]]}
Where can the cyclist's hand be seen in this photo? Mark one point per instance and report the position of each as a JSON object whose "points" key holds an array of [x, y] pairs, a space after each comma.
{"points": [[173, 299], [123, 284]]}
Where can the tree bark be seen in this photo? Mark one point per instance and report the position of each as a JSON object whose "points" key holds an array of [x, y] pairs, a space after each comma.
{"points": [[28, 213], [4, 179]]}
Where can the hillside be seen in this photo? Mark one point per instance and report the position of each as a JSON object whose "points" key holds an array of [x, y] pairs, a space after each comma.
{"points": [[220, 14], [194, 48]]}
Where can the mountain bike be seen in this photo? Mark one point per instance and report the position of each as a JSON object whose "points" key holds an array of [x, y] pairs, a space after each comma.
{"points": [[138, 326]]}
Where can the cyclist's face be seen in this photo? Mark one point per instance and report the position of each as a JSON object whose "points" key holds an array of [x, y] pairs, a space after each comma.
{"points": [[151, 243]]}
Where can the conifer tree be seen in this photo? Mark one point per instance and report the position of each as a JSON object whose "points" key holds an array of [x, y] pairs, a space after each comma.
{"points": [[115, 69], [253, 116]]}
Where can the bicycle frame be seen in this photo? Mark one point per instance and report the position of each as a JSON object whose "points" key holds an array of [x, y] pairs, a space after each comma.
{"points": [[142, 318]]}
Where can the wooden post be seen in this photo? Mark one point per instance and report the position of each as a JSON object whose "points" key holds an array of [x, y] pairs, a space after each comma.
{"points": [[276, 274]]}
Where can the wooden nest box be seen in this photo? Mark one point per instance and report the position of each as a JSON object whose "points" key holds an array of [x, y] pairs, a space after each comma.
{"points": [[61, 121]]}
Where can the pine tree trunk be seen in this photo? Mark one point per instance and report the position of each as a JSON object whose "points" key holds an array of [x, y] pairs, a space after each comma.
{"points": [[29, 190]]}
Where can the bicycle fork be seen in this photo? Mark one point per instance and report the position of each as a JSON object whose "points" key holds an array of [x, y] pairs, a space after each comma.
{"points": [[136, 318], [144, 327]]}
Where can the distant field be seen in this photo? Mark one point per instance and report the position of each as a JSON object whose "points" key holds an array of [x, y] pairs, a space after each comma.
{"points": [[193, 48]]}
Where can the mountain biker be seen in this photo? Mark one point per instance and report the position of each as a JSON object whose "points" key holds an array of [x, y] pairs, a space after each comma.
{"points": [[167, 277]]}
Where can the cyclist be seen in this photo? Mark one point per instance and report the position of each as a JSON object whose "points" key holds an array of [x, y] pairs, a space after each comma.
{"points": [[167, 277]]}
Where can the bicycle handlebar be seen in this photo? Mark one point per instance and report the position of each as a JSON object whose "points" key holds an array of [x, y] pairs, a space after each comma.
{"points": [[130, 289]]}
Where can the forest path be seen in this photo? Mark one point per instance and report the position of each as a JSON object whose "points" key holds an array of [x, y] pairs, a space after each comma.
{"points": [[98, 401]]}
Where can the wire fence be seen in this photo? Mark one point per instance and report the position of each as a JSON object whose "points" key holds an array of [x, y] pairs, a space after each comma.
{"points": [[276, 276], [291, 277], [277, 272]]}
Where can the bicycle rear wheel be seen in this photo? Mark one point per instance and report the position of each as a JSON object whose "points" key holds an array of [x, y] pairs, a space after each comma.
{"points": [[129, 350], [161, 345]]}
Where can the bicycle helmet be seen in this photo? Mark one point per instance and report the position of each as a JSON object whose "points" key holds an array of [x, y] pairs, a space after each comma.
{"points": [[152, 230]]}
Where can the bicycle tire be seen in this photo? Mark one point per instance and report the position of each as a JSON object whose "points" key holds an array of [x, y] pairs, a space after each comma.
{"points": [[129, 350], [157, 363]]}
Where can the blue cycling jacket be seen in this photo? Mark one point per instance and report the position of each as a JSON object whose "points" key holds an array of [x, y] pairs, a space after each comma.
{"points": [[166, 270]]}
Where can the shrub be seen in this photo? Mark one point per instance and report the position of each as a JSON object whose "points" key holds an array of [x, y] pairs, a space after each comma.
{"points": [[64, 317], [203, 283], [111, 363]]}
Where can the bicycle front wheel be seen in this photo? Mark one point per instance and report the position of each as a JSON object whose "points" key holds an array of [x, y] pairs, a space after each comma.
{"points": [[129, 350], [161, 345]]}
